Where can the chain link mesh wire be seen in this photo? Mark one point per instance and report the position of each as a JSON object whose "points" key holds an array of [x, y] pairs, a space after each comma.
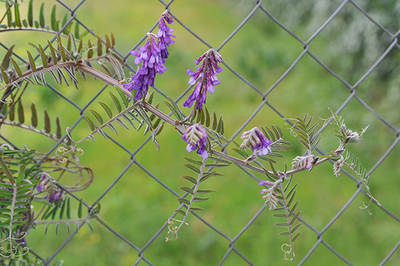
{"points": [[258, 6]]}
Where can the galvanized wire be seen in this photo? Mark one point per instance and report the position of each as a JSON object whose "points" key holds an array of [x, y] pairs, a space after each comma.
{"points": [[258, 6]]}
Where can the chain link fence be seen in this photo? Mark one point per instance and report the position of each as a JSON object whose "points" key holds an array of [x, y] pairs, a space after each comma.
{"points": [[264, 95]]}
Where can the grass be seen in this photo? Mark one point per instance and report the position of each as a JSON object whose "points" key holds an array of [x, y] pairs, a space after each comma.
{"points": [[138, 206]]}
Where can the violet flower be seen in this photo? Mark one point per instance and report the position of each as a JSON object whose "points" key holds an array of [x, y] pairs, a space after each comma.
{"points": [[164, 34], [54, 193], [196, 137], [204, 79], [256, 140], [153, 63]]}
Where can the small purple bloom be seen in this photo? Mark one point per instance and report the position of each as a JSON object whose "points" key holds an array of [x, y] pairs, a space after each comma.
{"points": [[196, 137], [204, 79], [152, 64], [164, 34], [54, 193], [256, 140]]}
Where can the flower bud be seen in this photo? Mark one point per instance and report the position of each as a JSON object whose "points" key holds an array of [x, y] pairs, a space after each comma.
{"points": [[256, 140], [196, 137]]}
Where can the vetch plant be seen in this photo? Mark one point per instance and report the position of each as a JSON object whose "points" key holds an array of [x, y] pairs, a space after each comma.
{"points": [[152, 56], [33, 188]]}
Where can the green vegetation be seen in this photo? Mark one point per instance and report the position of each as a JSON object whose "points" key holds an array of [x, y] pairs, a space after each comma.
{"points": [[138, 206]]}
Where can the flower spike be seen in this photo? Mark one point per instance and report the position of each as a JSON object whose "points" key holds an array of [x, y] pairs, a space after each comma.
{"points": [[164, 34], [204, 79]]}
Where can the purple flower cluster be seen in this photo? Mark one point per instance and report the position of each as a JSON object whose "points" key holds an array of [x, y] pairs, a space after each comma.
{"points": [[164, 34], [256, 140], [196, 137], [205, 78], [152, 56], [54, 194]]}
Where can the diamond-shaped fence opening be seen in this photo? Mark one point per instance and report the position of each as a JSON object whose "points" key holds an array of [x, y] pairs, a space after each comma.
{"points": [[265, 97]]}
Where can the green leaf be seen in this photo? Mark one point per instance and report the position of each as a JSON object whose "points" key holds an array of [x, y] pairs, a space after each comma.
{"points": [[191, 179], [217, 165], [106, 109], [47, 124], [12, 112], [62, 209], [108, 43], [41, 16], [80, 209], [53, 214], [68, 208], [205, 191], [180, 212], [4, 109], [80, 46], [112, 40], [53, 21], [9, 15], [123, 97], [99, 47], [4, 75], [17, 16], [97, 116], [208, 175], [200, 198], [43, 56], [6, 60], [58, 130], [46, 213], [64, 21], [295, 228], [90, 123], [69, 43], [53, 53], [193, 161], [30, 13], [198, 118], [31, 61], [34, 117], [76, 31], [16, 67], [21, 115], [90, 50], [116, 102], [207, 118], [188, 190], [295, 237], [191, 167], [215, 120], [61, 48], [160, 129], [184, 201], [220, 127]]}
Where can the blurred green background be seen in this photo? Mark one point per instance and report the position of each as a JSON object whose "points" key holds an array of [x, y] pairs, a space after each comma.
{"points": [[261, 52]]}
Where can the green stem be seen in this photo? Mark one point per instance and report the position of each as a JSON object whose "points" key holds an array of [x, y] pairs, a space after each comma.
{"points": [[192, 198]]}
